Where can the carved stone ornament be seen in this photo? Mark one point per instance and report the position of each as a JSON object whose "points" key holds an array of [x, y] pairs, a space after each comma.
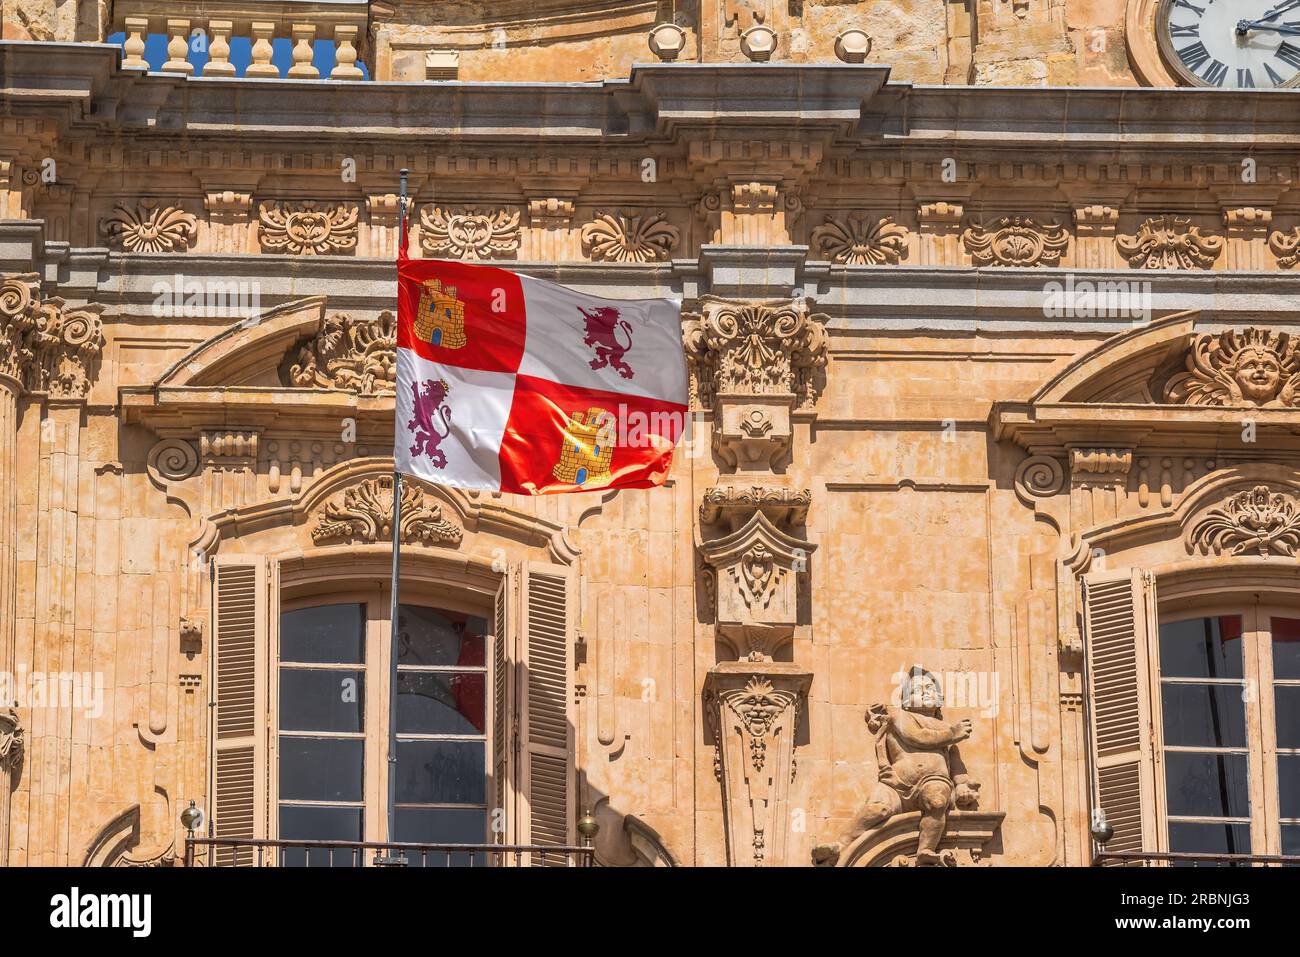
{"points": [[1260, 521], [47, 346], [755, 348], [469, 234], [305, 229], [1253, 367], [358, 355], [756, 571], [1286, 247], [11, 743], [1015, 241], [1169, 242], [860, 241], [782, 505], [364, 514], [171, 460], [150, 228], [918, 768], [623, 238], [1039, 476], [754, 713]]}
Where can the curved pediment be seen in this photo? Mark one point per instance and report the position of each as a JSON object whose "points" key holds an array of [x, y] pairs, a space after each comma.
{"points": [[250, 352]]}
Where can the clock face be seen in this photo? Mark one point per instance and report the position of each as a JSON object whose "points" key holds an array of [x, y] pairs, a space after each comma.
{"points": [[1231, 44]]}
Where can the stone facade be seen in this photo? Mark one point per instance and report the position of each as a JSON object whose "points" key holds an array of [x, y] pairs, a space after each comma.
{"points": [[967, 361]]}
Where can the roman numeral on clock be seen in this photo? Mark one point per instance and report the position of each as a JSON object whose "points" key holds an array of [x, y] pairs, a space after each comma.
{"points": [[1200, 11], [1215, 72], [1289, 54], [1175, 30], [1277, 80], [1244, 79], [1194, 55]]}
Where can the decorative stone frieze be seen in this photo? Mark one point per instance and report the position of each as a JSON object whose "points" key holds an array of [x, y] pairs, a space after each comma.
{"points": [[755, 348], [550, 212], [47, 346], [1015, 241], [364, 514], [623, 238], [469, 234], [308, 229], [1169, 242], [859, 240], [753, 715], [1255, 522], [1251, 367], [150, 228], [358, 355]]}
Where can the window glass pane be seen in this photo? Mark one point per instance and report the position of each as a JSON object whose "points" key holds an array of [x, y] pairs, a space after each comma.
{"points": [[324, 634], [1206, 785], [313, 700], [1287, 699], [1288, 785], [427, 636], [1194, 838], [1286, 647], [1291, 839], [320, 769], [441, 702], [443, 826], [441, 772], [1204, 715], [1201, 648], [319, 824]]}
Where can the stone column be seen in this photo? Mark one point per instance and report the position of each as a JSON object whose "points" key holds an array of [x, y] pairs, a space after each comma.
{"points": [[757, 366]]}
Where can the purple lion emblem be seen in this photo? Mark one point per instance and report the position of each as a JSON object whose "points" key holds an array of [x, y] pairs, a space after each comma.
{"points": [[429, 405], [603, 324]]}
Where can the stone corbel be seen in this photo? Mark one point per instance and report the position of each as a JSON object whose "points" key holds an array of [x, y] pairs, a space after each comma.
{"points": [[755, 572], [753, 711], [1099, 480], [733, 505]]}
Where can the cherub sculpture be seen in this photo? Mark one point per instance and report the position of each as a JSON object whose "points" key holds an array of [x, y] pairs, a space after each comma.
{"points": [[919, 770]]}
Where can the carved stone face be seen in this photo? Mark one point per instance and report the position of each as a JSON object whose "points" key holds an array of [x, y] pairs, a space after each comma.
{"points": [[923, 694], [1258, 374]]}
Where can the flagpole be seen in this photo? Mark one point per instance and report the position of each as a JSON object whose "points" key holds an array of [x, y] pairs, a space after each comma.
{"points": [[394, 590]]}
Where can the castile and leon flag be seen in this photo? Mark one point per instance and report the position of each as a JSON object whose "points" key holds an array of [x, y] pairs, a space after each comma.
{"points": [[516, 384]]}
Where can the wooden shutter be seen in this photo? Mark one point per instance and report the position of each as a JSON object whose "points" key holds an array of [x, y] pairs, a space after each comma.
{"points": [[545, 678], [1120, 627], [502, 737], [239, 643]]}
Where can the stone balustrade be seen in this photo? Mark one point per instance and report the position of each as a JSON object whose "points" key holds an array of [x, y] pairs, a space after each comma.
{"points": [[303, 21]]}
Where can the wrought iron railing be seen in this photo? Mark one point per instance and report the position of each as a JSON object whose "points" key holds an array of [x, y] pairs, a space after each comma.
{"points": [[1186, 859], [249, 852]]}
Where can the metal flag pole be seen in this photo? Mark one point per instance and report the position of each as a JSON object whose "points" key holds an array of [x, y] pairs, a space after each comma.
{"points": [[388, 858]]}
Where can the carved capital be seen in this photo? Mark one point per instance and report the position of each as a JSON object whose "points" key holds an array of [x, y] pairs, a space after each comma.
{"points": [[364, 513], [755, 348], [47, 346]]}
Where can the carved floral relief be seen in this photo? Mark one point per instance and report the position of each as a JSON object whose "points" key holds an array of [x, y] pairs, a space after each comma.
{"points": [[469, 234], [149, 228], [354, 354], [1015, 241], [306, 229], [1169, 242], [860, 241], [622, 238], [1259, 521], [364, 514]]}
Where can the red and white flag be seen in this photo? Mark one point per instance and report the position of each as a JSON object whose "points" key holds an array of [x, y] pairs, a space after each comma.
{"points": [[510, 383]]}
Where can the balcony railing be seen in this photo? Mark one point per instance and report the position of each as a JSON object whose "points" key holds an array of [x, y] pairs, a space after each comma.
{"points": [[1184, 859], [242, 852], [215, 22]]}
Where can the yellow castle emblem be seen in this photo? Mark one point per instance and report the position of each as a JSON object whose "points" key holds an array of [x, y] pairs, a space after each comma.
{"points": [[440, 318], [586, 452]]}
